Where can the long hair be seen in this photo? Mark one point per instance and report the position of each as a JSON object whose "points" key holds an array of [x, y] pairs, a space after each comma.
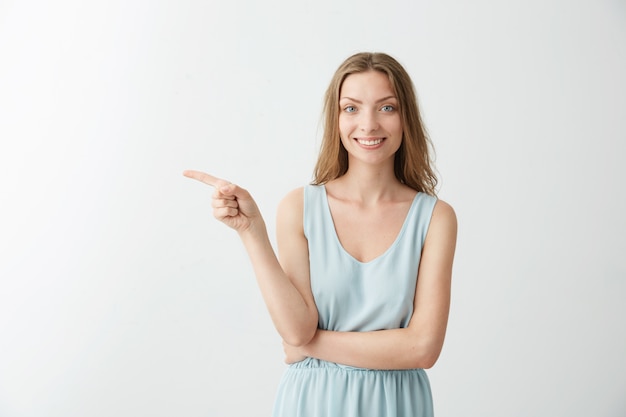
{"points": [[412, 162]]}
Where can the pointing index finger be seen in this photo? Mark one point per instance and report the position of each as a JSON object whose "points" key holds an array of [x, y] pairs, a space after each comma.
{"points": [[205, 178]]}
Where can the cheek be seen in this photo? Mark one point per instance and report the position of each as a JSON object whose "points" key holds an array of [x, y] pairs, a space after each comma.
{"points": [[344, 128], [396, 129], [344, 140], [397, 126]]}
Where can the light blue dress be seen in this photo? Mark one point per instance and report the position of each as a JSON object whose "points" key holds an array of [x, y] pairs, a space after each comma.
{"points": [[358, 296]]}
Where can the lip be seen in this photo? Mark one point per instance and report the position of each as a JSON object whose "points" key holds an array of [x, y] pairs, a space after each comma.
{"points": [[370, 142]]}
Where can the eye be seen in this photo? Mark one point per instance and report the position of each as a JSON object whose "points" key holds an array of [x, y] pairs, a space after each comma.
{"points": [[388, 108], [349, 109]]}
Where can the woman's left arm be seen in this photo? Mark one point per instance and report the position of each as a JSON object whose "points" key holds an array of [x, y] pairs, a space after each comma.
{"points": [[420, 343]]}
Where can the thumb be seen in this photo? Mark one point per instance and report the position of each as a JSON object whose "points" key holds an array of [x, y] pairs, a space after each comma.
{"points": [[227, 189], [234, 191]]}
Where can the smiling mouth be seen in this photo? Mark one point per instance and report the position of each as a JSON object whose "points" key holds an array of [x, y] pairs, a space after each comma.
{"points": [[370, 142]]}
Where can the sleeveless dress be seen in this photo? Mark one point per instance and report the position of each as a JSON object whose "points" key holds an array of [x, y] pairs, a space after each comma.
{"points": [[355, 296]]}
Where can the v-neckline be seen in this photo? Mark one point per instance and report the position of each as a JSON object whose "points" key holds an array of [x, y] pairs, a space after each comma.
{"points": [[386, 251]]}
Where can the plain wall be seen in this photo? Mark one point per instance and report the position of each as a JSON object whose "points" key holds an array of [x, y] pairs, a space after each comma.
{"points": [[121, 295]]}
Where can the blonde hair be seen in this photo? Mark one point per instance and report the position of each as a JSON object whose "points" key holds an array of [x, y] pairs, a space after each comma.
{"points": [[412, 164]]}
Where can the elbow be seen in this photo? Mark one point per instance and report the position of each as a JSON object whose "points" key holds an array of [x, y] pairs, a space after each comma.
{"points": [[428, 362], [299, 337], [423, 361], [297, 340], [424, 358]]}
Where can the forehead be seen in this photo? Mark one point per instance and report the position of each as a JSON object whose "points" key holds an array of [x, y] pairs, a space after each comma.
{"points": [[365, 85]]}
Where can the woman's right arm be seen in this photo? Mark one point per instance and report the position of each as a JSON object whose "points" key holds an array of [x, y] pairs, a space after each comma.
{"points": [[293, 251], [285, 285]]}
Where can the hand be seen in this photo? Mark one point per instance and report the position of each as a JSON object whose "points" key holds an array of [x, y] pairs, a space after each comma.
{"points": [[232, 205], [292, 354]]}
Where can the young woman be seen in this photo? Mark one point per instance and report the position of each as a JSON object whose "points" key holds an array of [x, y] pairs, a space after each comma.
{"points": [[361, 293]]}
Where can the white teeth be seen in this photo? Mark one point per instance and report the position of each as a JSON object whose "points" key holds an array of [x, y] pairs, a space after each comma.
{"points": [[369, 142]]}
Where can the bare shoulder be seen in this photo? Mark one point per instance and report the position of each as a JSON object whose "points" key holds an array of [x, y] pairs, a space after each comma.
{"points": [[443, 223], [291, 207], [443, 212], [292, 201]]}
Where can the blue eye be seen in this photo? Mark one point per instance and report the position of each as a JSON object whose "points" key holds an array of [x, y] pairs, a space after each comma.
{"points": [[388, 108], [349, 109]]}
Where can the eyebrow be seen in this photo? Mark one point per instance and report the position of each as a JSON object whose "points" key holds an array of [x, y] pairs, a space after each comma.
{"points": [[360, 102]]}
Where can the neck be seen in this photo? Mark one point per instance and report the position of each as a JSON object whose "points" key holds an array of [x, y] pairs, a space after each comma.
{"points": [[369, 184]]}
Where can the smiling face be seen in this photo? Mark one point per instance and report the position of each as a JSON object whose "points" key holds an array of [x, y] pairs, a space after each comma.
{"points": [[369, 120]]}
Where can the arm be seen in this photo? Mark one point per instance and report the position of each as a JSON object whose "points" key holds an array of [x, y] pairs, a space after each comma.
{"points": [[293, 250], [420, 343], [286, 292]]}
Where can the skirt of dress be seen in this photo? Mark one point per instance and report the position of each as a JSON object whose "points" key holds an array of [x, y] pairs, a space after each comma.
{"points": [[315, 388]]}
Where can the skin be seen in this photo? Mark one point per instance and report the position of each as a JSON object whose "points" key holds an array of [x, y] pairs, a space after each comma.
{"points": [[367, 201], [369, 115], [291, 306]]}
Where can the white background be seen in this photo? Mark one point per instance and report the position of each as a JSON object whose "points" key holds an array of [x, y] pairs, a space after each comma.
{"points": [[120, 295]]}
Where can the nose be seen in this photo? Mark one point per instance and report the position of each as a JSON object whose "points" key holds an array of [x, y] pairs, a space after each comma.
{"points": [[368, 122]]}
